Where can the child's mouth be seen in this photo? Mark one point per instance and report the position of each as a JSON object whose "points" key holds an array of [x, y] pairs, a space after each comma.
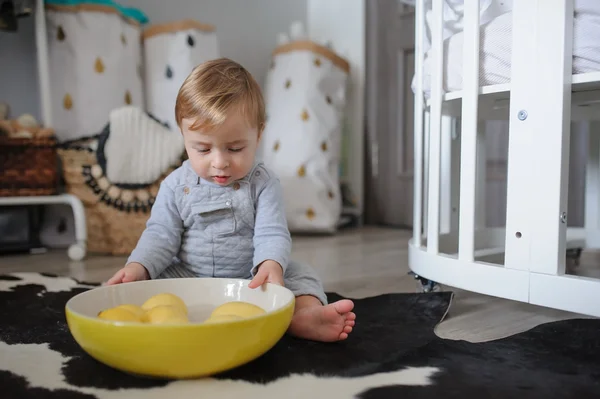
{"points": [[221, 179]]}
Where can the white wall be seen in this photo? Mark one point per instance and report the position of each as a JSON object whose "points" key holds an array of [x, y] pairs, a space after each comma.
{"points": [[18, 69], [246, 32], [343, 23]]}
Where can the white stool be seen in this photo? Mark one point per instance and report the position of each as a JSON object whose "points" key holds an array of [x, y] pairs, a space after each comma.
{"points": [[76, 251]]}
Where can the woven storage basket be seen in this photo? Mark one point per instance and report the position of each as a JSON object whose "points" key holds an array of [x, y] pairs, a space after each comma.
{"points": [[29, 166], [116, 216]]}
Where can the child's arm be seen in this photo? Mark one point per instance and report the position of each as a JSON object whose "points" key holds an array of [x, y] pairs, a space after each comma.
{"points": [[161, 239], [272, 240]]}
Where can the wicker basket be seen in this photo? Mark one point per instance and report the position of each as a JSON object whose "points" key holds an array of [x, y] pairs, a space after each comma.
{"points": [[116, 216], [29, 166]]}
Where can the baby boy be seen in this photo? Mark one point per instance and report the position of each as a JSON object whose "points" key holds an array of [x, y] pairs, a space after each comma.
{"points": [[221, 213]]}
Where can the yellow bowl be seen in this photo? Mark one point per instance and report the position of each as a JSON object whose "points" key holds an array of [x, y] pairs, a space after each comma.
{"points": [[180, 350]]}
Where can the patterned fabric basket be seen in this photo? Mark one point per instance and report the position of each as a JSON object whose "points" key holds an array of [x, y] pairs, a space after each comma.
{"points": [[116, 214], [29, 166]]}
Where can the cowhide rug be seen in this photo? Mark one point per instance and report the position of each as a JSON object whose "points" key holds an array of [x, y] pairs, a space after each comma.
{"points": [[392, 353]]}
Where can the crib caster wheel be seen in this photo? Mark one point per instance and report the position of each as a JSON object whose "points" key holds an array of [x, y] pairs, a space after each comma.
{"points": [[430, 286], [76, 252], [426, 285], [574, 256]]}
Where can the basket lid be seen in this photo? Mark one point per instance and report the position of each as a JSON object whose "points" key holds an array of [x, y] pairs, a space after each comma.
{"points": [[129, 13], [177, 26], [308, 45]]}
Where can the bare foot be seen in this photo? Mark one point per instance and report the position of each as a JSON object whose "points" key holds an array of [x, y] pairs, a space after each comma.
{"points": [[316, 322]]}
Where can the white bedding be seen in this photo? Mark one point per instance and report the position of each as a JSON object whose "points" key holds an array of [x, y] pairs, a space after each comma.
{"points": [[496, 41]]}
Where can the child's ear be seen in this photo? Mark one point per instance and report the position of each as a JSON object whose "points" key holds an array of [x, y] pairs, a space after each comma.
{"points": [[261, 128]]}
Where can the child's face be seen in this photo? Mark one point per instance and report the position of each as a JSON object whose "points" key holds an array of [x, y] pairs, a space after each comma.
{"points": [[224, 154]]}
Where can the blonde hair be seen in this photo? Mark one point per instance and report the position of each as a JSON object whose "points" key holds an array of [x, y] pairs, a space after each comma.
{"points": [[214, 88]]}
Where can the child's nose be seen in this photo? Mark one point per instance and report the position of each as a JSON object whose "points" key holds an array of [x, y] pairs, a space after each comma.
{"points": [[220, 161]]}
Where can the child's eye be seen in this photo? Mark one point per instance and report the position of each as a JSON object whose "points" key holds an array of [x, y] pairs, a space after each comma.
{"points": [[203, 151], [236, 149]]}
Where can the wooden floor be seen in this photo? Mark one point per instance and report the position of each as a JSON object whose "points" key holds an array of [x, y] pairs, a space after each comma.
{"points": [[357, 263]]}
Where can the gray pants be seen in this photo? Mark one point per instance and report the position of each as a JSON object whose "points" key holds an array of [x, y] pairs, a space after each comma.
{"points": [[299, 277]]}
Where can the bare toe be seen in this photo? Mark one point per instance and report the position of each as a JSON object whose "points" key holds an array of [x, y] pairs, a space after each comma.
{"points": [[347, 329], [350, 323], [344, 306]]}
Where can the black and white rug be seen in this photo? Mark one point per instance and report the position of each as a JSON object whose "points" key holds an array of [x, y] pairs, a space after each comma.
{"points": [[392, 353]]}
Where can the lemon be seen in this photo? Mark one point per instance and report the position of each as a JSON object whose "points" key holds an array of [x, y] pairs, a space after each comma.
{"points": [[165, 314], [138, 311], [165, 299], [118, 314], [238, 308], [222, 318]]}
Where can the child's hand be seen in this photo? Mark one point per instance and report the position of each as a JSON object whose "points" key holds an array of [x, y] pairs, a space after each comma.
{"points": [[131, 272], [268, 272]]}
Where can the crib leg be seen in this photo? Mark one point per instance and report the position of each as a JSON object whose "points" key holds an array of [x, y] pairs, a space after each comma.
{"points": [[426, 172], [435, 134], [540, 119], [455, 177], [480, 185], [592, 188], [446, 174]]}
